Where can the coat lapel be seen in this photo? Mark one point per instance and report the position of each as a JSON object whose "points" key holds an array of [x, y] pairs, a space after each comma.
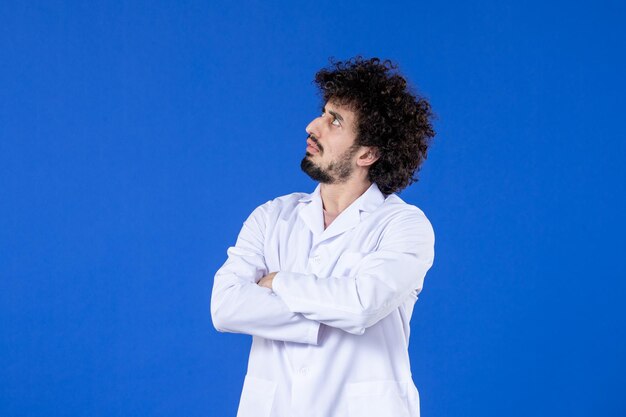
{"points": [[313, 216]]}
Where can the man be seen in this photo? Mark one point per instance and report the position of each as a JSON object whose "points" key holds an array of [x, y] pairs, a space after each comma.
{"points": [[326, 282]]}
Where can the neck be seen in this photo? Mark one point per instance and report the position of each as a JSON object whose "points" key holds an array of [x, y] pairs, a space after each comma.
{"points": [[337, 197]]}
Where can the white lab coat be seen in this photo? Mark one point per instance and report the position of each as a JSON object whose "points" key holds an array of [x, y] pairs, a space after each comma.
{"points": [[331, 339]]}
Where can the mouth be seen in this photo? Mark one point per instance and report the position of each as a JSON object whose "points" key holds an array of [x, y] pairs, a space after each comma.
{"points": [[311, 147]]}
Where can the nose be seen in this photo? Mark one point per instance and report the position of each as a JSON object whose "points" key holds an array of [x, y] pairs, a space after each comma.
{"points": [[313, 128]]}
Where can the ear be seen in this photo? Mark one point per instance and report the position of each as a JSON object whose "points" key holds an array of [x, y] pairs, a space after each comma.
{"points": [[368, 156]]}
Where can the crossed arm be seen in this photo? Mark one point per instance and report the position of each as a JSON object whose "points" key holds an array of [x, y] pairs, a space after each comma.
{"points": [[240, 305], [290, 306]]}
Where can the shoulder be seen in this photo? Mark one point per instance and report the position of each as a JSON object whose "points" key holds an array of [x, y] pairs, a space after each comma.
{"points": [[279, 205], [288, 201], [396, 207], [400, 216]]}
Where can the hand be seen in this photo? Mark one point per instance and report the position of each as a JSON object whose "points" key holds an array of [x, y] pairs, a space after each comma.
{"points": [[267, 280]]}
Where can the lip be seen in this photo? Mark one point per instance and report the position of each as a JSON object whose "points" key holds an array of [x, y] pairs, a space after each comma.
{"points": [[311, 146]]}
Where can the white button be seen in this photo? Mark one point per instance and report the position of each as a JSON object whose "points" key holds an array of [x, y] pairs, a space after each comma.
{"points": [[303, 371], [317, 259]]}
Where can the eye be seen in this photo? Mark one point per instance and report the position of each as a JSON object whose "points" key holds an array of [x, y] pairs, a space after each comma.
{"points": [[334, 121]]}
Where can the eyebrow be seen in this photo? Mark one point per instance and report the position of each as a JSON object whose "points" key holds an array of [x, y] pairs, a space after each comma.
{"points": [[334, 113]]}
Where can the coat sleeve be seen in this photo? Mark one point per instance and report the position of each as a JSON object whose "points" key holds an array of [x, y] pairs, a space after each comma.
{"points": [[239, 305], [379, 283]]}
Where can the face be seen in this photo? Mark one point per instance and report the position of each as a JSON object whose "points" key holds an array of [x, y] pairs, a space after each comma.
{"points": [[331, 151]]}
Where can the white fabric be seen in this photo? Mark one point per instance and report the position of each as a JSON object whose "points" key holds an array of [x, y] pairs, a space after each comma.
{"points": [[331, 339]]}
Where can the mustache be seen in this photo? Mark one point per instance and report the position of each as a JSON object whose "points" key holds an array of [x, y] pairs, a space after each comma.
{"points": [[317, 144]]}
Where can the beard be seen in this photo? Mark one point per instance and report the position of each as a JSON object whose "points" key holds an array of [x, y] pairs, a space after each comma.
{"points": [[338, 171]]}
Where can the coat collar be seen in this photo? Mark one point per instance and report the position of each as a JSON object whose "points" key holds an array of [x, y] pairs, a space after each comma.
{"points": [[312, 213]]}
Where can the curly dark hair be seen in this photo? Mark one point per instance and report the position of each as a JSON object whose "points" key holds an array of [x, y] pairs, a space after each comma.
{"points": [[389, 116]]}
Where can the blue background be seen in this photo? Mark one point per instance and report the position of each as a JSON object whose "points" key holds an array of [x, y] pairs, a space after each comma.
{"points": [[136, 137]]}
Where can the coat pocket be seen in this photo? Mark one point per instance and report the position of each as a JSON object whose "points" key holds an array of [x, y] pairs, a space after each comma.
{"points": [[377, 398], [257, 397]]}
